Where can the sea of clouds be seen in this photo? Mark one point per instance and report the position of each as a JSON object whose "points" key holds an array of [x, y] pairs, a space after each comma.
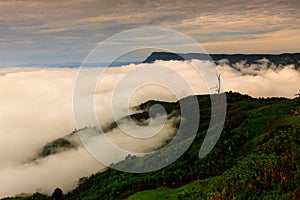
{"points": [[36, 107]]}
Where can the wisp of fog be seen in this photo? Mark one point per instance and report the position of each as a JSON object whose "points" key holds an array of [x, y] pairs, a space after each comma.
{"points": [[36, 108]]}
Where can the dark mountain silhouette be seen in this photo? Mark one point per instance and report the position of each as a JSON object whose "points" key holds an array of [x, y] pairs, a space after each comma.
{"points": [[278, 60]]}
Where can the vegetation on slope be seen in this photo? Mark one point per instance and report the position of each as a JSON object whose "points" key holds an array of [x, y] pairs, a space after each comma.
{"points": [[256, 157]]}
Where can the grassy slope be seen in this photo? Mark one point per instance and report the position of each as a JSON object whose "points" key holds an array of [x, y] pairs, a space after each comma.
{"points": [[257, 156], [250, 125], [268, 167]]}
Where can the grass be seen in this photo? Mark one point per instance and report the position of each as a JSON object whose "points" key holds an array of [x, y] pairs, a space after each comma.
{"points": [[256, 157]]}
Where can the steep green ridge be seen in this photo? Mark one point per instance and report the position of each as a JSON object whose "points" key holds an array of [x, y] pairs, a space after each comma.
{"points": [[256, 157]]}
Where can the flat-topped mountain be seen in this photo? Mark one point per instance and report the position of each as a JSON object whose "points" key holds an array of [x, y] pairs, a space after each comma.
{"points": [[278, 60]]}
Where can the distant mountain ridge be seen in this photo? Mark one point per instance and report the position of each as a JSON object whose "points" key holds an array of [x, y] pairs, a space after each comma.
{"points": [[278, 60], [79, 64]]}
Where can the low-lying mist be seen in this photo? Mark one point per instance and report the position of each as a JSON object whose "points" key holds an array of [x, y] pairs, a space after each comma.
{"points": [[36, 108], [260, 80]]}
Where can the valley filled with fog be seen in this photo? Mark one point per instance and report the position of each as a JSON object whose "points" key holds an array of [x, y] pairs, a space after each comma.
{"points": [[37, 108]]}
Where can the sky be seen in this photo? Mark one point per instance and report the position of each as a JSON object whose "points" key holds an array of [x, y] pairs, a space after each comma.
{"points": [[35, 31]]}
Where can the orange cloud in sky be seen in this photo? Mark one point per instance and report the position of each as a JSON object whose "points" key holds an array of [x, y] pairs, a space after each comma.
{"points": [[275, 42]]}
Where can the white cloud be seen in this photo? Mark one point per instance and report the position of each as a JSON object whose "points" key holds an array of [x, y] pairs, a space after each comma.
{"points": [[93, 21], [36, 107], [259, 81]]}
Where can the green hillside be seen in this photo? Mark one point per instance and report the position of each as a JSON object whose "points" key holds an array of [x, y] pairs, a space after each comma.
{"points": [[256, 157]]}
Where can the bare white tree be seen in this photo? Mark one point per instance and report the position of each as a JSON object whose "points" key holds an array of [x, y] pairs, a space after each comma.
{"points": [[218, 86]]}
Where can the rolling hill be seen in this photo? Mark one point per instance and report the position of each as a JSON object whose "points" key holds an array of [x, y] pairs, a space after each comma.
{"points": [[256, 157]]}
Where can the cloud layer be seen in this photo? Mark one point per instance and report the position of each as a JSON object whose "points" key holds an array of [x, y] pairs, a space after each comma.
{"points": [[258, 80], [36, 108], [45, 32]]}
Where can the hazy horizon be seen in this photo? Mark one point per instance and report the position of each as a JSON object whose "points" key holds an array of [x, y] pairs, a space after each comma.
{"points": [[62, 31]]}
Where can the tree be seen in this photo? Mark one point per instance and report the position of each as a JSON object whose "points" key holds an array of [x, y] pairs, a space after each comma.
{"points": [[218, 86], [57, 194], [82, 180], [298, 96]]}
